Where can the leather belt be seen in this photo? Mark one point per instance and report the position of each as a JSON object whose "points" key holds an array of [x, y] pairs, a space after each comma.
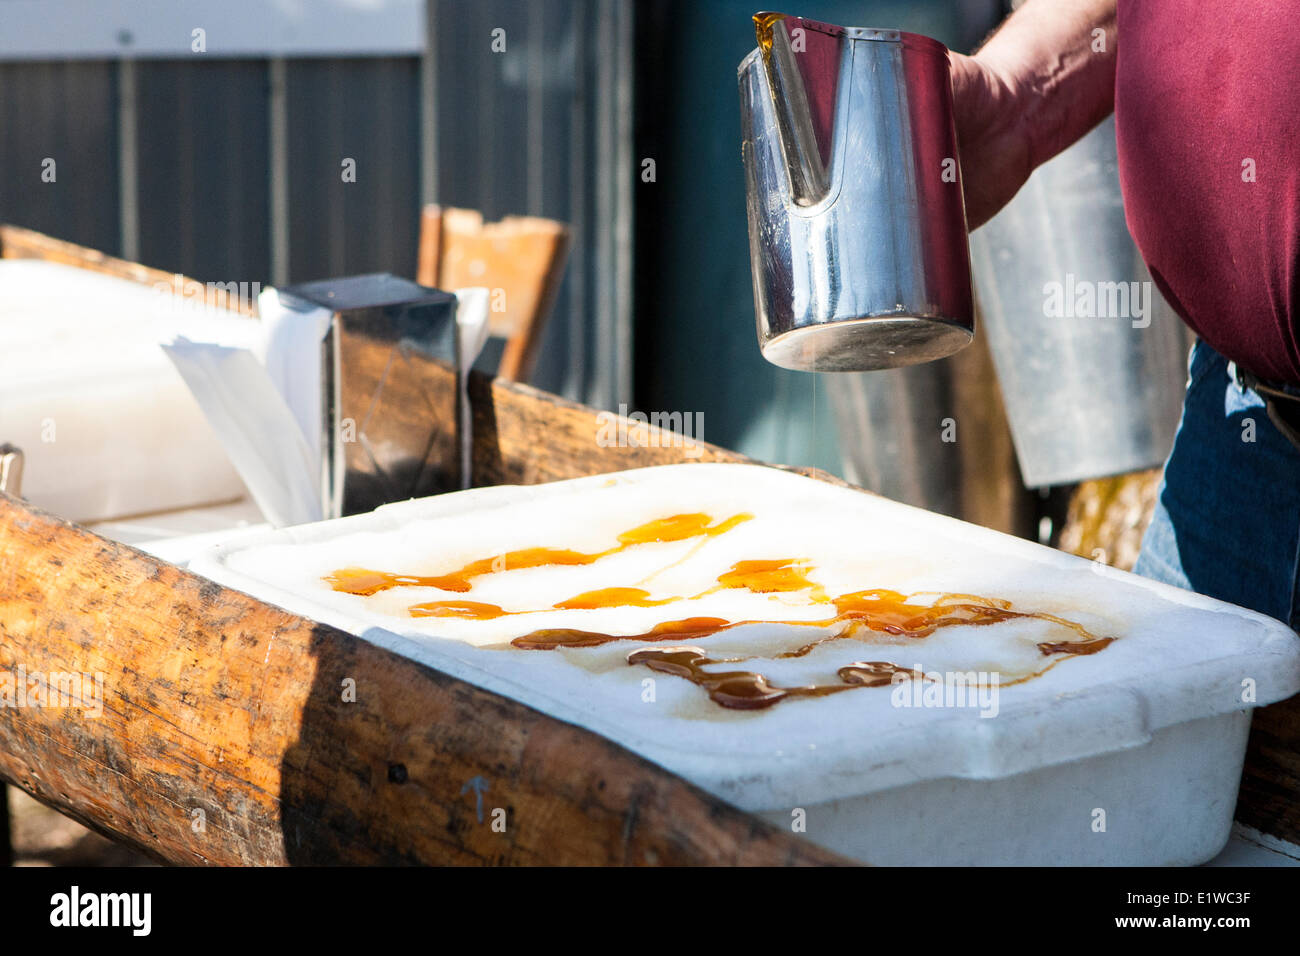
{"points": [[1281, 401]]}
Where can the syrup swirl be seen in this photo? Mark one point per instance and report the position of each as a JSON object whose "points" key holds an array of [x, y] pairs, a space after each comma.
{"points": [[856, 615]]}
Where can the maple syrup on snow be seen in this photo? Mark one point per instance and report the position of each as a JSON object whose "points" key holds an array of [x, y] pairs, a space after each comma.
{"points": [[879, 610]]}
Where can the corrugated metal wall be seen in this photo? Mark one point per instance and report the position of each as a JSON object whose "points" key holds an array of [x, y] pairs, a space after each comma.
{"points": [[695, 307], [191, 190], [545, 128], [230, 169], [369, 111], [201, 168], [67, 112]]}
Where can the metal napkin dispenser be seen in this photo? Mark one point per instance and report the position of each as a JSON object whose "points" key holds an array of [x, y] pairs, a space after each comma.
{"points": [[390, 404]]}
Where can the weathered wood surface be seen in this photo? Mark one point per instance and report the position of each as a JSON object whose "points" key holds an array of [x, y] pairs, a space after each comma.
{"points": [[226, 735], [520, 258], [194, 672], [1108, 516], [19, 243], [1269, 799], [523, 436]]}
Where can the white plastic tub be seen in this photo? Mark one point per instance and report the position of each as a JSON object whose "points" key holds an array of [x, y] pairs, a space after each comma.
{"points": [[1130, 755], [106, 425]]}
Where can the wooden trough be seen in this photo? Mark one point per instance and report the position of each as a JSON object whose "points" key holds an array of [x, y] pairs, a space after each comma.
{"points": [[233, 732]]}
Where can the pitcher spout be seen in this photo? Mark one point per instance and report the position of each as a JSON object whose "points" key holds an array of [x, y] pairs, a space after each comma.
{"points": [[806, 160]]}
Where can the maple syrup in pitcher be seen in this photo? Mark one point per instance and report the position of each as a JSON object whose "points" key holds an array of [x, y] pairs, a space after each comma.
{"points": [[849, 616]]}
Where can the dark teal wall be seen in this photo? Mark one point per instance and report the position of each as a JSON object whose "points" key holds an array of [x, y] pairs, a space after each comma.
{"points": [[697, 350]]}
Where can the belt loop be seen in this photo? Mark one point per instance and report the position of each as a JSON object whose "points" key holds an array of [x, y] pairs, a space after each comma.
{"points": [[1234, 374]]}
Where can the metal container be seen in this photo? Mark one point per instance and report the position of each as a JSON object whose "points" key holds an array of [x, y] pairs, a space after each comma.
{"points": [[1090, 357], [857, 226], [890, 425], [934, 436], [1152, 729], [391, 426]]}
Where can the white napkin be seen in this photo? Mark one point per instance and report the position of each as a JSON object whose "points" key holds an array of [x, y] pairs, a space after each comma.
{"points": [[255, 424], [290, 350], [264, 401]]}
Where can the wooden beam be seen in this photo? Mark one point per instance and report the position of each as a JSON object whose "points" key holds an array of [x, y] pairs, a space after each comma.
{"points": [[227, 735], [155, 615], [19, 243], [523, 436], [1269, 799]]}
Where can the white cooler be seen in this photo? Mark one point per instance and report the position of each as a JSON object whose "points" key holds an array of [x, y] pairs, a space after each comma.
{"points": [[1130, 755]]}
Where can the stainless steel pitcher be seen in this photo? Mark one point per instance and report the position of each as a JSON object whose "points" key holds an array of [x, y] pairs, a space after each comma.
{"points": [[857, 225]]}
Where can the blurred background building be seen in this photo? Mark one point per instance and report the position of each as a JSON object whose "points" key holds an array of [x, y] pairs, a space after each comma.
{"points": [[208, 138], [211, 138], [224, 162]]}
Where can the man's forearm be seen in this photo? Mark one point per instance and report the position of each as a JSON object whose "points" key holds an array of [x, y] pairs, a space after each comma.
{"points": [[1058, 58]]}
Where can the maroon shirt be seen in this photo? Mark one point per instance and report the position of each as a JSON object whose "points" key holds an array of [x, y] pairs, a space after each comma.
{"points": [[1200, 89]]}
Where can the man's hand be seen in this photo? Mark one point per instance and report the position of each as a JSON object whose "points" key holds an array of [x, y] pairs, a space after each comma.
{"points": [[1039, 84]]}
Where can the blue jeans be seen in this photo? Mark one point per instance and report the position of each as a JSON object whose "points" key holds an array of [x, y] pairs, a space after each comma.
{"points": [[1227, 523]]}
